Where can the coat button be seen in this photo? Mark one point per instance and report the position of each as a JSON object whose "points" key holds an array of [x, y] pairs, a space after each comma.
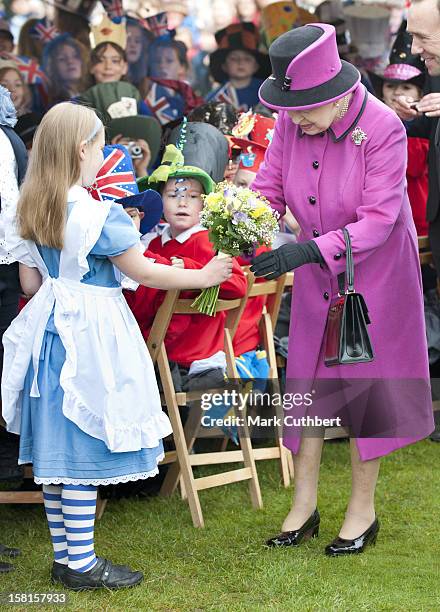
{"points": [[312, 199], [322, 134], [326, 295], [315, 233], [337, 256], [315, 164]]}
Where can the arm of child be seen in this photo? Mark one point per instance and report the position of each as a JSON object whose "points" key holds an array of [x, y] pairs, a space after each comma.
{"points": [[134, 265], [30, 280]]}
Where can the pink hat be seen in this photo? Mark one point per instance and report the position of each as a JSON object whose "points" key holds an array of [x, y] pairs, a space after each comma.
{"points": [[307, 70]]}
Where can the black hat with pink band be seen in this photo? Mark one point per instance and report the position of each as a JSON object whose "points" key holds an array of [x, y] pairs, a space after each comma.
{"points": [[306, 70]]}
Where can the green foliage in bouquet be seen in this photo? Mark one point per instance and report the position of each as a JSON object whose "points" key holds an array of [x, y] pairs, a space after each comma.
{"points": [[239, 220]]}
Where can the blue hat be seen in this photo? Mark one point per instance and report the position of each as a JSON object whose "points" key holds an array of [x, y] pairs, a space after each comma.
{"points": [[116, 181]]}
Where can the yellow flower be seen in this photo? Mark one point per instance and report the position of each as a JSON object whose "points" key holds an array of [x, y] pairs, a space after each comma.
{"points": [[258, 212]]}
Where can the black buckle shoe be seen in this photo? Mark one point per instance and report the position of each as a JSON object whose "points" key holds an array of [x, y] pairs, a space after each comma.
{"points": [[58, 570], [310, 529], [104, 574], [6, 567], [341, 546], [6, 551]]}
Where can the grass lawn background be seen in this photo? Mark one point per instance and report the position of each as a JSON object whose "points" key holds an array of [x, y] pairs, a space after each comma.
{"points": [[226, 567]]}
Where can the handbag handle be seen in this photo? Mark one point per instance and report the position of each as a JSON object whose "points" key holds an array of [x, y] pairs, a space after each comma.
{"points": [[347, 280]]}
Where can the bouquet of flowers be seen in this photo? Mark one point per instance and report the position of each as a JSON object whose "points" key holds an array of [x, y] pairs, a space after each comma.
{"points": [[239, 220]]}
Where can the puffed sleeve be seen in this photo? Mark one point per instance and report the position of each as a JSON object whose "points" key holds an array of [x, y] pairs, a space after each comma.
{"points": [[382, 198], [118, 234], [269, 179]]}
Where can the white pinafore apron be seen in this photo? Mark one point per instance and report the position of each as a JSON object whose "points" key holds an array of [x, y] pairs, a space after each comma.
{"points": [[108, 379]]}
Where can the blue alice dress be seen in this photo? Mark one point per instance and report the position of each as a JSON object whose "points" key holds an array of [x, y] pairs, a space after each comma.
{"points": [[73, 408]]}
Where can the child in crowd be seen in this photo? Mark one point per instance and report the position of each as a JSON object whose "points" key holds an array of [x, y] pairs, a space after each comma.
{"points": [[194, 342], [82, 423], [168, 59], [66, 61], [6, 38], [137, 49], [405, 75], [12, 78], [239, 66], [166, 91]]}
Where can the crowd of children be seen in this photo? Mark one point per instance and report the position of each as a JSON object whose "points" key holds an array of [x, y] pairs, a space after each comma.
{"points": [[81, 246]]}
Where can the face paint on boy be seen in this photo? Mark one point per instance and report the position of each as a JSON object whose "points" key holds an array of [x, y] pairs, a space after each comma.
{"points": [[182, 208]]}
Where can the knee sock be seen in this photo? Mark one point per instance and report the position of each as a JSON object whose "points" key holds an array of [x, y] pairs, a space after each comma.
{"points": [[79, 507], [52, 505]]}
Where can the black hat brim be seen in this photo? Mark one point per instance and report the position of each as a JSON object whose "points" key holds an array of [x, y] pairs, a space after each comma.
{"points": [[273, 96], [218, 57]]}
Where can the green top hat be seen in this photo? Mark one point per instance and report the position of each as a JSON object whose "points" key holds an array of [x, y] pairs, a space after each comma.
{"points": [[173, 166]]}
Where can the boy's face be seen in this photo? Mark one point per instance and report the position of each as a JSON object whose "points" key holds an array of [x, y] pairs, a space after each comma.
{"points": [[135, 215], [182, 204], [244, 178], [166, 65], [240, 65], [391, 91]]}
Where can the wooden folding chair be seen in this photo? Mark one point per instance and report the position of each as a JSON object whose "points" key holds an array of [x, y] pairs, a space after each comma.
{"points": [[182, 462], [273, 290]]}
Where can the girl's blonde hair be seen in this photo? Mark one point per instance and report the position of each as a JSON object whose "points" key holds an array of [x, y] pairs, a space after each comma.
{"points": [[54, 167]]}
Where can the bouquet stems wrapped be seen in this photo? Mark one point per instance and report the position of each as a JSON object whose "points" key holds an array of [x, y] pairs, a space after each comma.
{"points": [[239, 220]]}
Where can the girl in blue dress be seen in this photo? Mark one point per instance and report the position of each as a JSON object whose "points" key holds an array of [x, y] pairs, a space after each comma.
{"points": [[78, 383]]}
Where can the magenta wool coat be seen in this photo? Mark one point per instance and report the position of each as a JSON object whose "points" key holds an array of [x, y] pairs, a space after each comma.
{"points": [[329, 181]]}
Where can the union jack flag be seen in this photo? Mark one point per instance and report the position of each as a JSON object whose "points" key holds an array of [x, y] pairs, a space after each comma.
{"points": [[31, 70], [44, 30], [113, 8], [227, 94], [163, 107], [158, 24], [115, 178]]}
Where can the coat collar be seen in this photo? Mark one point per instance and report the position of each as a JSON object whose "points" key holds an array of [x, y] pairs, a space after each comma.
{"points": [[183, 237], [348, 123]]}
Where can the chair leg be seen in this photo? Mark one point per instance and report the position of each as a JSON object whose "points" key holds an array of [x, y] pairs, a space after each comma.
{"points": [[190, 430], [179, 440], [248, 458], [100, 507], [284, 453]]}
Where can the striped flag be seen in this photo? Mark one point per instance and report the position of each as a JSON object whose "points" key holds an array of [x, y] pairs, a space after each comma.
{"points": [[115, 178], [44, 30]]}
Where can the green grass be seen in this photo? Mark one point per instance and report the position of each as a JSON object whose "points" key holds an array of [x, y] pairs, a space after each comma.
{"points": [[225, 567]]}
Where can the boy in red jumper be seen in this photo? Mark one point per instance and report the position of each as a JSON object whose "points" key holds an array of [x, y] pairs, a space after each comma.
{"points": [[194, 342]]}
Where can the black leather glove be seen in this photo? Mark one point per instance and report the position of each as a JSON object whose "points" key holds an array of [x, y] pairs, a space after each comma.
{"points": [[288, 257]]}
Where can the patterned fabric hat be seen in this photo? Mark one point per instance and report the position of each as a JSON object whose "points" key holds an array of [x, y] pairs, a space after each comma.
{"points": [[116, 181], [253, 134], [280, 17], [237, 36]]}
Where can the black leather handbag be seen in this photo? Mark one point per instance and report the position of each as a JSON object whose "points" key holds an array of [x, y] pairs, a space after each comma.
{"points": [[347, 340]]}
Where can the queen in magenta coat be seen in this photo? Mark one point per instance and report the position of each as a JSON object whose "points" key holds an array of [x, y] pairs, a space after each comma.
{"points": [[338, 159]]}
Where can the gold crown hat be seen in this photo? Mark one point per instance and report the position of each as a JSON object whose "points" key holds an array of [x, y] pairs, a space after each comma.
{"points": [[108, 31]]}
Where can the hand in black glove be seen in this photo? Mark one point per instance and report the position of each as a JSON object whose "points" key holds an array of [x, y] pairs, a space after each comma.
{"points": [[288, 257]]}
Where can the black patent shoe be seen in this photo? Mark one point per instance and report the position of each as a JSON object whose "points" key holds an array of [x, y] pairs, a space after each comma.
{"points": [[6, 568], [6, 551], [104, 574], [58, 570], [341, 546], [310, 529]]}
